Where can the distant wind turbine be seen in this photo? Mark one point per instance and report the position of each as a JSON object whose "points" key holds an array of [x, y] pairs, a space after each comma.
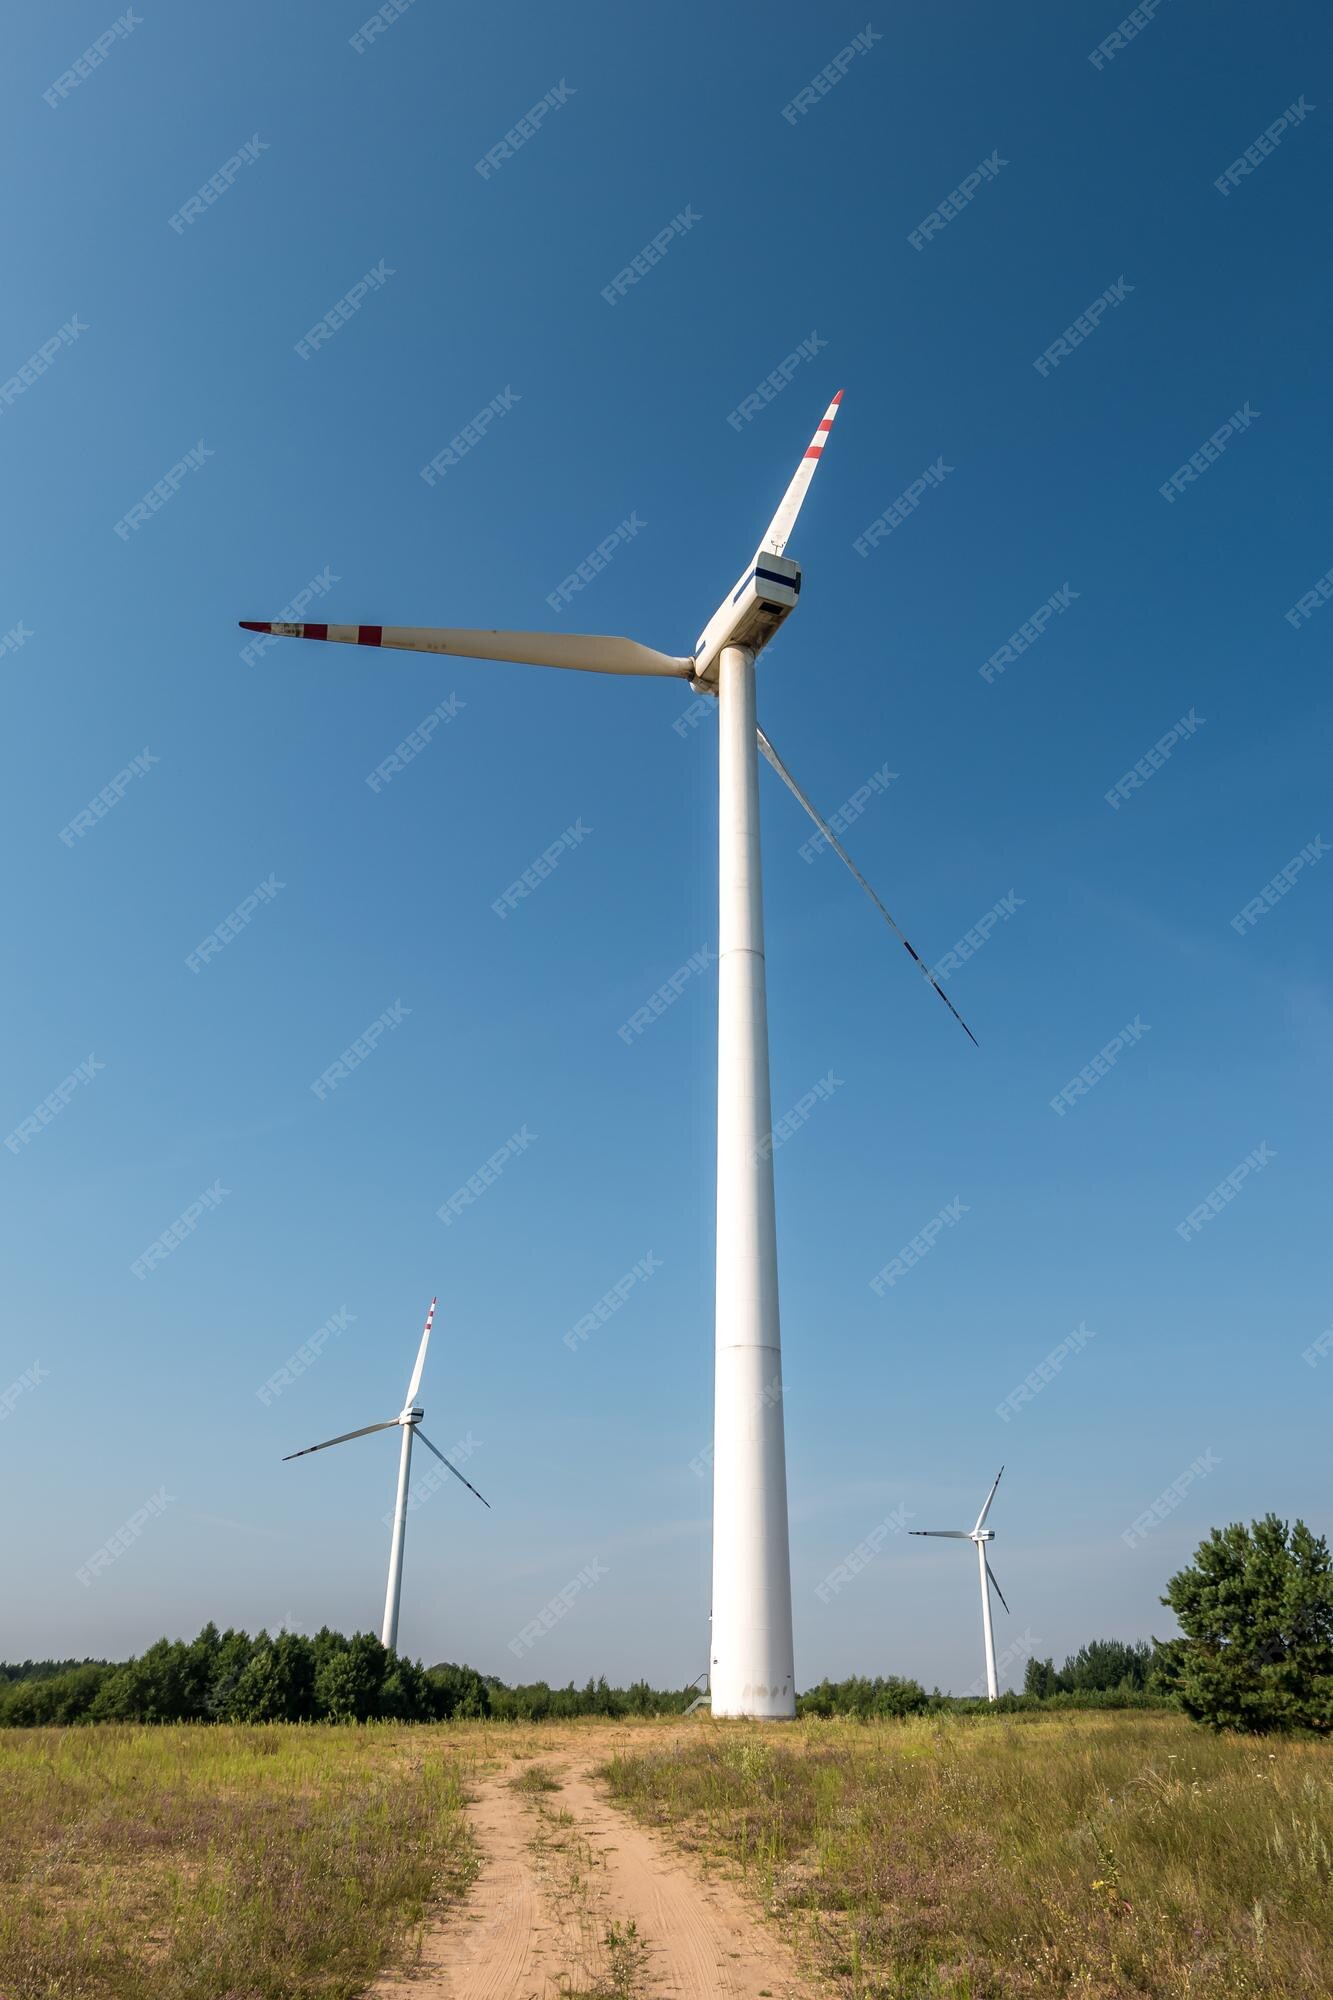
{"points": [[980, 1535], [752, 1666], [409, 1420]]}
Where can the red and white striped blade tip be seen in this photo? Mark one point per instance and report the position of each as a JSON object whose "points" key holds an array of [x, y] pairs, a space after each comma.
{"points": [[817, 442]]}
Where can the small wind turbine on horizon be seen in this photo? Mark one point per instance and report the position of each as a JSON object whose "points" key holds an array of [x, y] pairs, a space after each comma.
{"points": [[752, 1668], [981, 1534], [409, 1420]]}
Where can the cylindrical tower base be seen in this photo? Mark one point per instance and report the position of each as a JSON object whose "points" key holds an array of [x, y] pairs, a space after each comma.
{"points": [[752, 1671]]}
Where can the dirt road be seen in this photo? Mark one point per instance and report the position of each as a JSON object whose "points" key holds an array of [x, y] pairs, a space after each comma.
{"points": [[575, 1898]]}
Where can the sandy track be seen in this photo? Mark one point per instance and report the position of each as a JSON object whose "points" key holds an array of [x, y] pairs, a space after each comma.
{"points": [[490, 1947], [549, 1886], [701, 1937]]}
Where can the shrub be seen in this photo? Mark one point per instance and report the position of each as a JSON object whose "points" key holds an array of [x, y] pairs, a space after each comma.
{"points": [[889, 1695]]}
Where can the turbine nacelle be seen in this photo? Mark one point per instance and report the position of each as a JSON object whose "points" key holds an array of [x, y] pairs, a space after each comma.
{"points": [[412, 1416], [749, 615]]}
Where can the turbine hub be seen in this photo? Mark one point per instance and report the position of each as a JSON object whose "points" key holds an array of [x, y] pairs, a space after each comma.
{"points": [[412, 1416]]}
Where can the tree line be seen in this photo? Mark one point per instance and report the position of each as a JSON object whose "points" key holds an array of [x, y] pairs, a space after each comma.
{"points": [[288, 1677], [1255, 1610]]}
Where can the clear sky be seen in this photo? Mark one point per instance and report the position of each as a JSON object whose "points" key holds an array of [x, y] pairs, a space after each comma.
{"points": [[1099, 184]]}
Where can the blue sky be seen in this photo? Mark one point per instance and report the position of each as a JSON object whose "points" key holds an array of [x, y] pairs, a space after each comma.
{"points": [[126, 1386]]}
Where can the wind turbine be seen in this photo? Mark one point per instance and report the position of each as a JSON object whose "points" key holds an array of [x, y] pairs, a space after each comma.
{"points": [[981, 1534], [752, 1667], [409, 1421]]}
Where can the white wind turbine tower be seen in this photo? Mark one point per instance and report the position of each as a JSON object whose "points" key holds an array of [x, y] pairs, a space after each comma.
{"points": [[981, 1534], [752, 1669], [409, 1421]]}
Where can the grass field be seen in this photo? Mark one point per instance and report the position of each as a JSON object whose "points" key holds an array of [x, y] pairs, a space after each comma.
{"points": [[193, 1863], [1121, 1856], [1103, 1856]]}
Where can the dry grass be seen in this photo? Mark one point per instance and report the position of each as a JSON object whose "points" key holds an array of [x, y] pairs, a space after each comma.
{"points": [[225, 1863], [1113, 1857]]}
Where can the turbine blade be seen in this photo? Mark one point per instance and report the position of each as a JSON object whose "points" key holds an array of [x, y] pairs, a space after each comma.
{"points": [[779, 528], [453, 1468], [415, 1383], [995, 1580], [943, 1534], [981, 1517], [593, 652], [842, 853], [365, 1431]]}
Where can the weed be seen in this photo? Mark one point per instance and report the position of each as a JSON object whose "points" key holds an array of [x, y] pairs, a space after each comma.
{"points": [[626, 1964], [535, 1778]]}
